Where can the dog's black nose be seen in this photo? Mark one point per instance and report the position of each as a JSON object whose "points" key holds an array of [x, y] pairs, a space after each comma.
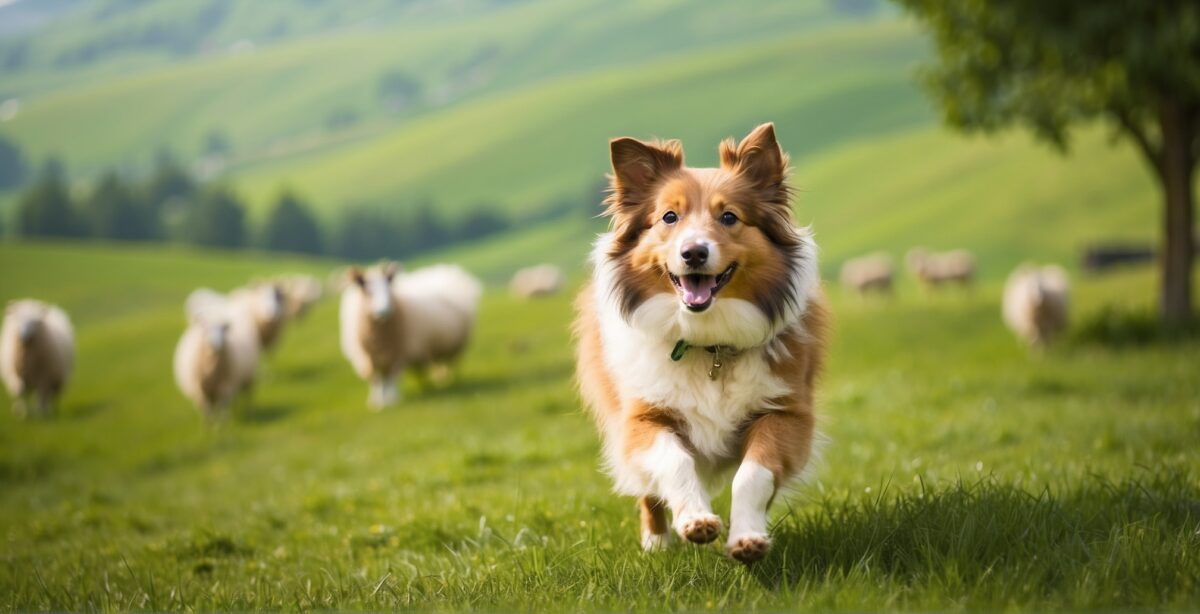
{"points": [[694, 254]]}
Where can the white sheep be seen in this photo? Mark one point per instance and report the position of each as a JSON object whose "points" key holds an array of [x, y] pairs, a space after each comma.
{"points": [[300, 293], [1036, 301], [955, 266], [264, 302], [536, 281], [870, 273], [37, 354], [217, 356], [390, 322]]}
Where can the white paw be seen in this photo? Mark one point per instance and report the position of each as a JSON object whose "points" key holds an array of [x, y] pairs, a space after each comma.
{"points": [[698, 528], [652, 542], [748, 547]]}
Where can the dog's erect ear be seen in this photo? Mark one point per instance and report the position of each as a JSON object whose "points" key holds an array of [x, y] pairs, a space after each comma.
{"points": [[758, 157], [637, 169], [637, 164], [356, 275]]}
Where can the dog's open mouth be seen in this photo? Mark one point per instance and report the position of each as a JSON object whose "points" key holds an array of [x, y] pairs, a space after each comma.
{"points": [[698, 291]]}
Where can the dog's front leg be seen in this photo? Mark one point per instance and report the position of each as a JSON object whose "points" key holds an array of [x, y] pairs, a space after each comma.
{"points": [[660, 454], [777, 447]]}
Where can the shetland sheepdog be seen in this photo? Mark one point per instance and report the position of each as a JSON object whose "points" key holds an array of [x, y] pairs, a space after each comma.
{"points": [[700, 337]]}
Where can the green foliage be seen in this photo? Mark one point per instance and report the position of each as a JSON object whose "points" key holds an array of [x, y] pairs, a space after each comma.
{"points": [[46, 209], [114, 210], [216, 218], [169, 192], [962, 472], [398, 90], [1051, 65], [291, 227], [13, 170]]}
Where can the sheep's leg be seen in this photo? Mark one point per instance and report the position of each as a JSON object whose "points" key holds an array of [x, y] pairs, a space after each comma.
{"points": [[375, 393], [391, 389], [43, 403]]}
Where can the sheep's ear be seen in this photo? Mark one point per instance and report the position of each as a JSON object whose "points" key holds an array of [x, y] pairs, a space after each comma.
{"points": [[390, 269], [356, 276], [757, 158]]}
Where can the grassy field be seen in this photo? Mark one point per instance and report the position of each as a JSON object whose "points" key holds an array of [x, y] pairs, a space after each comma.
{"points": [[962, 471]]}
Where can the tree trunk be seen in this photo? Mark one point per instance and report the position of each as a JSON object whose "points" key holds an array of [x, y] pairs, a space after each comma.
{"points": [[1176, 170]]}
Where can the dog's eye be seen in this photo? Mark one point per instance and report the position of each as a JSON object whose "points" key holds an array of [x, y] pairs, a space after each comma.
{"points": [[670, 217], [728, 218]]}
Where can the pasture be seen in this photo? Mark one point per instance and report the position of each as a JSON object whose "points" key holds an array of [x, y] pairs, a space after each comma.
{"points": [[962, 471]]}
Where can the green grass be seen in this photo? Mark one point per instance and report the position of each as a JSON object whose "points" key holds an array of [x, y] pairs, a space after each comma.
{"points": [[962, 471]]}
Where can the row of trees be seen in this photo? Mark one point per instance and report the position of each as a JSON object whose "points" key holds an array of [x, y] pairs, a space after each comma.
{"points": [[171, 206]]}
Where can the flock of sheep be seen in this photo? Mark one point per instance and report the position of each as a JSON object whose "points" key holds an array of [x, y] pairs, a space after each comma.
{"points": [[391, 321], [1035, 304]]}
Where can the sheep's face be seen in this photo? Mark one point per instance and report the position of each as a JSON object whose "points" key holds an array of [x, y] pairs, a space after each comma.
{"points": [[376, 284], [270, 301], [28, 329], [27, 318], [217, 334]]}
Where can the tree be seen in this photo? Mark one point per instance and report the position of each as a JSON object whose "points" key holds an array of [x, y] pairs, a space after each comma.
{"points": [[216, 219], [484, 220], [397, 89], [114, 211], [291, 227], [45, 209], [13, 171], [1052, 65], [168, 195], [365, 234]]}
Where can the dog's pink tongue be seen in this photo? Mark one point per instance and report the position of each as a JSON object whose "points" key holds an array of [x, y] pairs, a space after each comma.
{"points": [[697, 290]]}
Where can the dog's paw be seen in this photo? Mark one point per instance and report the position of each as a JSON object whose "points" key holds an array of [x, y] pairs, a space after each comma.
{"points": [[700, 528], [653, 542], [750, 547]]}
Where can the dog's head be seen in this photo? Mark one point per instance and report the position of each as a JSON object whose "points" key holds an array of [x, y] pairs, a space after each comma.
{"points": [[703, 234]]}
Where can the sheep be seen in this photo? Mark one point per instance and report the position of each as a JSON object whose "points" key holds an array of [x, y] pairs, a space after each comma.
{"points": [[955, 266], [300, 293], [263, 301], [390, 322], [869, 273], [217, 357], [37, 354], [1036, 303], [536, 281]]}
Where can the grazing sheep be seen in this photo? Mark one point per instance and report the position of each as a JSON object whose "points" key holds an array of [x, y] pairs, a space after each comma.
{"points": [[390, 322], [869, 273], [37, 353], [217, 356], [536, 281], [1036, 302], [264, 302], [955, 266], [300, 293]]}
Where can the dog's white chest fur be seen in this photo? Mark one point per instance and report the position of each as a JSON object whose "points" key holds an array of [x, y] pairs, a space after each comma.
{"points": [[637, 352], [712, 408]]}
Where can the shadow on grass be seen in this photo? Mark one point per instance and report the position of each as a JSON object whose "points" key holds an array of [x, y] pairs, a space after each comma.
{"points": [[261, 414], [1132, 542], [497, 382]]}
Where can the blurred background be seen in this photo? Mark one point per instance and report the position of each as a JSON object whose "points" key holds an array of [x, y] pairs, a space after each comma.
{"points": [[152, 147], [389, 129]]}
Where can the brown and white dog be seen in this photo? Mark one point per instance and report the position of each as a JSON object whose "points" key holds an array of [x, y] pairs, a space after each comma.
{"points": [[701, 336]]}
